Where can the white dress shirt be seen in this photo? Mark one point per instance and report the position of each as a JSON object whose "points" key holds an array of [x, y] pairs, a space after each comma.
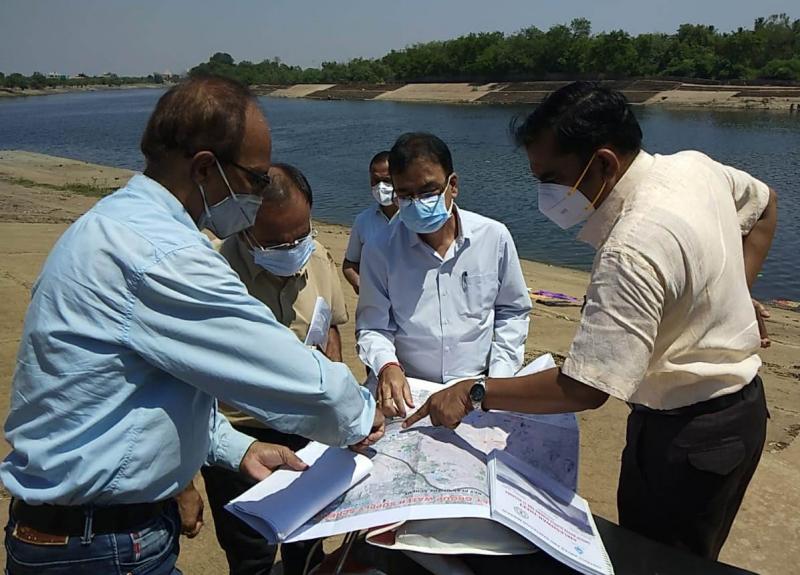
{"points": [[443, 317], [668, 320], [367, 225]]}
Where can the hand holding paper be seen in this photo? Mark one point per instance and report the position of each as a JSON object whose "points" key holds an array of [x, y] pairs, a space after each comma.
{"points": [[262, 459]]}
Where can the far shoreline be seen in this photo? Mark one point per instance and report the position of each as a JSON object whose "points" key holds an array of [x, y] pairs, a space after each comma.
{"points": [[30, 92], [659, 93]]}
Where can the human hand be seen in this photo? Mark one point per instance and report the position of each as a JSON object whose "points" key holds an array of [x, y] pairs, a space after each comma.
{"points": [[762, 314], [262, 459], [394, 393], [447, 407], [190, 507], [377, 431]]}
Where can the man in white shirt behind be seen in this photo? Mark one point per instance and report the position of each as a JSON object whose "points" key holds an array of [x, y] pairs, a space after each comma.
{"points": [[442, 293], [373, 221]]}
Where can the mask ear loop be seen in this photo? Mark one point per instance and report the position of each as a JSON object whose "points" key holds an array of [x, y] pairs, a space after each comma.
{"points": [[251, 240], [225, 178], [230, 189], [597, 197], [583, 175], [205, 203], [443, 195]]}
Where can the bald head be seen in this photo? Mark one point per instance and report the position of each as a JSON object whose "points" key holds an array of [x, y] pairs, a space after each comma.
{"points": [[201, 129], [285, 214], [207, 113]]}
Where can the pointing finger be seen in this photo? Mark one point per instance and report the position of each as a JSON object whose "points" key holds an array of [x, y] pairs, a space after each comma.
{"points": [[421, 413]]}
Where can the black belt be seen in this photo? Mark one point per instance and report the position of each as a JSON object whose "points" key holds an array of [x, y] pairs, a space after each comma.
{"points": [[72, 521], [709, 406]]}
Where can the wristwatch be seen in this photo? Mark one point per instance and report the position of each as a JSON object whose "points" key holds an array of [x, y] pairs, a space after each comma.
{"points": [[477, 392]]}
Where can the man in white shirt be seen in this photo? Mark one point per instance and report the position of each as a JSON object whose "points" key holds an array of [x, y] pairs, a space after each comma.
{"points": [[372, 221], [442, 291], [668, 327]]}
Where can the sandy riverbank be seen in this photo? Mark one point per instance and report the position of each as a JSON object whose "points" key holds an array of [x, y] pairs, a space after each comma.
{"points": [[36, 206], [17, 93]]}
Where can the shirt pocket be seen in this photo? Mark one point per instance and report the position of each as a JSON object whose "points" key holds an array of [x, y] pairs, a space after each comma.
{"points": [[480, 293]]}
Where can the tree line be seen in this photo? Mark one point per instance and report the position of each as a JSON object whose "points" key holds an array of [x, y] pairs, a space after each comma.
{"points": [[38, 81], [770, 51]]}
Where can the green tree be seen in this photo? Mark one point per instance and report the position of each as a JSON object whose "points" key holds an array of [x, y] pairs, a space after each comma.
{"points": [[17, 80], [37, 81], [221, 58], [613, 53]]}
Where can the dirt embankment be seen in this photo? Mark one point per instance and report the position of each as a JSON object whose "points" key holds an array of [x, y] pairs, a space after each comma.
{"points": [[640, 92]]}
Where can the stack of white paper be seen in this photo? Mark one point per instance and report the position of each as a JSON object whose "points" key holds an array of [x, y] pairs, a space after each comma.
{"points": [[284, 501], [546, 513]]}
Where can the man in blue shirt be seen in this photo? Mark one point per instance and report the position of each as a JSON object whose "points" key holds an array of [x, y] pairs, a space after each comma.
{"points": [[136, 326]]}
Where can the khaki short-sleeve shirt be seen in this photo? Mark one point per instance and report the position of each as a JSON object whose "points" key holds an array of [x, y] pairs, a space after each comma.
{"points": [[668, 320]]}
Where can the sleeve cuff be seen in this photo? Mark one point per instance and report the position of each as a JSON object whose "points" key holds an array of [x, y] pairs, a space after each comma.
{"points": [[363, 424], [570, 370], [231, 447], [375, 359], [501, 369]]}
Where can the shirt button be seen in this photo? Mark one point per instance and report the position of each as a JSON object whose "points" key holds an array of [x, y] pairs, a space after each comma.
{"points": [[444, 292], [447, 348]]}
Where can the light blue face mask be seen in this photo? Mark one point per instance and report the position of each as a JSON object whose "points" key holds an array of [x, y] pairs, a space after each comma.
{"points": [[285, 262], [230, 216], [425, 215]]}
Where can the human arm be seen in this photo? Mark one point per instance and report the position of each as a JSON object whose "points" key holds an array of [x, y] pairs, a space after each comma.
{"points": [[545, 392], [757, 212], [511, 313], [755, 247], [190, 509], [756, 243], [375, 329], [283, 384], [352, 256], [333, 351], [350, 271]]}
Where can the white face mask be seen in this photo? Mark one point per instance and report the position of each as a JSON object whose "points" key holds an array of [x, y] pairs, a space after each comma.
{"points": [[565, 206], [382, 192]]}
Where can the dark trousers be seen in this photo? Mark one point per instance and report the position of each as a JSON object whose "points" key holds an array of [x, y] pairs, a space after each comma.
{"points": [[684, 472], [247, 551]]}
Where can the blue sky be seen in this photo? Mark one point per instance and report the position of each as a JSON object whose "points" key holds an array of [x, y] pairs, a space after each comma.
{"points": [[143, 36]]}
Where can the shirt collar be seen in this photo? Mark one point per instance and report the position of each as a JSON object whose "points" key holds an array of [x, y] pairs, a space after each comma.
{"points": [[599, 225], [380, 213], [158, 194]]}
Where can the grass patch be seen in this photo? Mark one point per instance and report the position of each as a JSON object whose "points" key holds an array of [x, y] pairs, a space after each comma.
{"points": [[92, 189]]}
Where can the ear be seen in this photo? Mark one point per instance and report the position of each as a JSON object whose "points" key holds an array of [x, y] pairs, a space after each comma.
{"points": [[454, 185], [201, 166], [610, 164]]}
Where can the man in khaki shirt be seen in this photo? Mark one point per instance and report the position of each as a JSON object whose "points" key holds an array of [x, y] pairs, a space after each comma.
{"points": [[283, 266], [669, 326]]}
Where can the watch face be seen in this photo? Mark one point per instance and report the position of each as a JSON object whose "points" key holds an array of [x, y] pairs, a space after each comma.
{"points": [[477, 393]]}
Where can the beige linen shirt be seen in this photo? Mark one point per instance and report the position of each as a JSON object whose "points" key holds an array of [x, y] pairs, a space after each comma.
{"points": [[291, 300], [668, 320]]}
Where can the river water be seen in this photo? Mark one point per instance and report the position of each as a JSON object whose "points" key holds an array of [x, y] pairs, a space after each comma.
{"points": [[332, 143]]}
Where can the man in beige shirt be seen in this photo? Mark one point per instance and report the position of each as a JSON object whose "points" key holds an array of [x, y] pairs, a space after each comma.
{"points": [[668, 326], [283, 266]]}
